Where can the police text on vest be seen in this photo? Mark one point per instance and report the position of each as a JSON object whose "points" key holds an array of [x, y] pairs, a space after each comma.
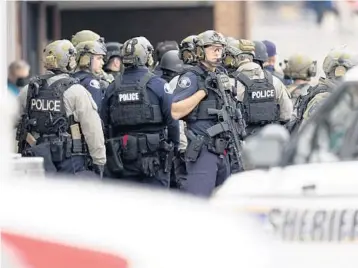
{"points": [[123, 97], [263, 94], [46, 105]]}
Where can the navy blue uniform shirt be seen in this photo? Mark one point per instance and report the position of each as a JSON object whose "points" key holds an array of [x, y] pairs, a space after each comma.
{"points": [[158, 93], [186, 87], [92, 84]]}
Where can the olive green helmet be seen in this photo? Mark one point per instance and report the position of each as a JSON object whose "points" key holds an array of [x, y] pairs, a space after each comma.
{"points": [[187, 49], [207, 38], [85, 51], [137, 51], [339, 61], [85, 35], [238, 51], [300, 66], [60, 55]]}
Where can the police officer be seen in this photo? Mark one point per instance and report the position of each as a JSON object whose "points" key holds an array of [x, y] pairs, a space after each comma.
{"points": [[264, 97], [171, 65], [300, 68], [207, 162], [270, 62], [335, 65], [90, 56], [160, 50], [142, 136], [59, 117], [187, 55], [87, 35], [113, 65]]}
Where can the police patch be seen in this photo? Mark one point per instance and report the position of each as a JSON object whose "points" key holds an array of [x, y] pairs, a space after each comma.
{"points": [[184, 82], [129, 97], [94, 83], [168, 89]]}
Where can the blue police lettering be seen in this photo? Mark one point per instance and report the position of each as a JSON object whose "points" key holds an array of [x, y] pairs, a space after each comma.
{"points": [[128, 97], [263, 94], [46, 105]]}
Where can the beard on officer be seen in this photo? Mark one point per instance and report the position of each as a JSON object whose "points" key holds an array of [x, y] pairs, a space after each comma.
{"points": [[141, 134], [60, 121], [207, 165]]}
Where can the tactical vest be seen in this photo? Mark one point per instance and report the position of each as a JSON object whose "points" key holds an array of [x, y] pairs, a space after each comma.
{"points": [[45, 105], [303, 101], [212, 100], [130, 105], [259, 103]]}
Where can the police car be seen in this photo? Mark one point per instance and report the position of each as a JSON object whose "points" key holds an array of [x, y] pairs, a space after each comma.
{"points": [[306, 191]]}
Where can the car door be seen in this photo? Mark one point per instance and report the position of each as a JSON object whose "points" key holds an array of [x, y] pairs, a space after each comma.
{"points": [[330, 131]]}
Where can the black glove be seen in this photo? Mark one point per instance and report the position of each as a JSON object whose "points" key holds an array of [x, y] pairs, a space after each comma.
{"points": [[202, 86], [150, 165], [99, 169]]}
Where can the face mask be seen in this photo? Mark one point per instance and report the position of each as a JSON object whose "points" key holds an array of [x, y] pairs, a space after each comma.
{"points": [[22, 81]]}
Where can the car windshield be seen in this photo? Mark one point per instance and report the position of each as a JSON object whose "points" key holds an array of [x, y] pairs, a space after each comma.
{"points": [[324, 137]]}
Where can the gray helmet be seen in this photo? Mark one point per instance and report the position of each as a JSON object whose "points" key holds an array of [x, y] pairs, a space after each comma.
{"points": [[87, 49], [171, 62], [113, 50], [163, 47], [208, 38], [339, 61], [137, 51], [260, 52], [187, 50]]}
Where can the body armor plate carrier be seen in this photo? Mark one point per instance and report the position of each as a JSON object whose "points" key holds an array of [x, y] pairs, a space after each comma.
{"points": [[260, 106]]}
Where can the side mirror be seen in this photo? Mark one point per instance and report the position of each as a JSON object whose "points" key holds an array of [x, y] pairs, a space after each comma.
{"points": [[265, 149]]}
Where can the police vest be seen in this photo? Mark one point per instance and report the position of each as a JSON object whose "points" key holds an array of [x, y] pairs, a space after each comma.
{"points": [[259, 103], [82, 75], [212, 100], [45, 105], [130, 106], [303, 101]]}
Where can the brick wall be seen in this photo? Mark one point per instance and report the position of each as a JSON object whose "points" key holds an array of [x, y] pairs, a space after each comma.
{"points": [[231, 18]]}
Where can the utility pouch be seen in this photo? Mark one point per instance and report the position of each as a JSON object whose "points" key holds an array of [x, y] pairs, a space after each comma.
{"points": [[194, 148], [57, 150], [114, 160], [129, 147]]}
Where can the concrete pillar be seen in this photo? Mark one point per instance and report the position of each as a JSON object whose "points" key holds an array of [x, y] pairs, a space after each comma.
{"points": [[11, 29], [231, 18]]}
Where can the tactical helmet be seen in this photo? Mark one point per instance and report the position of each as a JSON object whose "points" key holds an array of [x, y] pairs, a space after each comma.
{"points": [[60, 55], [339, 61], [163, 47], [171, 62], [300, 66], [137, 51], [113, 50], [207, 38], [260, 52], [87, 49], [230, 39], [85, 35], [238, 51], [187, 50]]}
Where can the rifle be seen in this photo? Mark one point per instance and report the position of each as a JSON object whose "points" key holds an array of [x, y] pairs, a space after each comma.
{"points": [[230, 118]]}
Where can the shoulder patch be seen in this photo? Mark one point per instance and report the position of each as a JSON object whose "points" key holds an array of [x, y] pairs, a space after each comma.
{"points": [[168, 89], [95, 83], [184, 82]]}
